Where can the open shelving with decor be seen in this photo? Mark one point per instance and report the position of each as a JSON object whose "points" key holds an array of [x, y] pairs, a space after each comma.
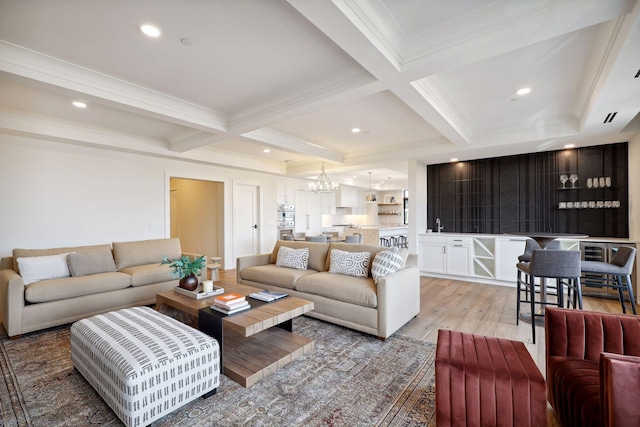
{"points": [[387, 206]]}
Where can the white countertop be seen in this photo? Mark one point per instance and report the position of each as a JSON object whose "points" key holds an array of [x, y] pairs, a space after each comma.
{"points": [[588, 239]]}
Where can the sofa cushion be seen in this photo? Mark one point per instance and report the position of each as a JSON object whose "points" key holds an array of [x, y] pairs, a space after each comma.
{"points": [[83, 264], [70, 287], [576, 390], [150, 273], [141, 252], [293, 258], [275, 276], [36, 268], [317, 253], [23, 253], [354, 290], [349, 263], [354, 247], [385, 263]]}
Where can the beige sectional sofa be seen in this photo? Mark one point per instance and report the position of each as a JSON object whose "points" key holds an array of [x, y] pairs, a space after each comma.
{"points": [[354, 302], [103, 278]]}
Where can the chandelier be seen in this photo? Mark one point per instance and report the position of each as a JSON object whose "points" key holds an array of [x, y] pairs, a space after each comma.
{"points": [[322, 184], [370, 197]]}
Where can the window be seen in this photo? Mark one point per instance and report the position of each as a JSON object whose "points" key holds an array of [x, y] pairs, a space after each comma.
{"points": [[405, 205]]}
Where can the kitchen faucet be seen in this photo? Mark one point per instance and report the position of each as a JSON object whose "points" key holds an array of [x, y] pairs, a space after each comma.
{"points": [[438, 226]]}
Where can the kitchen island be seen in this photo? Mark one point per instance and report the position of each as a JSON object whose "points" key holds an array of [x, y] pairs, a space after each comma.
{"points": [[371, 233]]}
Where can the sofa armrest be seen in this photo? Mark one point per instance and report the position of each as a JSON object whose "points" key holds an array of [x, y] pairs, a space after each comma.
{"points": [[11, 301], [251, 261], [398, 300], [619, 389]]}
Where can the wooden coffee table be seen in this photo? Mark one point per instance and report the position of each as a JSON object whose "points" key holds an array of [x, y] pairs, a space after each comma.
{"points": [[253, 343]]}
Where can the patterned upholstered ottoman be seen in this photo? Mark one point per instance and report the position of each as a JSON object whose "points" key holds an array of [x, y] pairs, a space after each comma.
{"points": [[144, 364]]}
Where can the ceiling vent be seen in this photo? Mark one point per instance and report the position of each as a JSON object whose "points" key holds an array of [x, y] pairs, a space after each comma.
{"points": [[610, 117]]}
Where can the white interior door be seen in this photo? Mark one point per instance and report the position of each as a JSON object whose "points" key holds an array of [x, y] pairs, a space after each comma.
{"points": [[245, 220]]}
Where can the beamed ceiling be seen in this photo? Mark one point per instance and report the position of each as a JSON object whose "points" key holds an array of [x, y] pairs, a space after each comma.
{"points": [[424, 80]]}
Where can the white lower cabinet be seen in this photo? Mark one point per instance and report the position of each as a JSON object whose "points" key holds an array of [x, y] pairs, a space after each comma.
{"points": [[482, 257], [433, 255], [439, 254], [507, 252], [459, 256]]}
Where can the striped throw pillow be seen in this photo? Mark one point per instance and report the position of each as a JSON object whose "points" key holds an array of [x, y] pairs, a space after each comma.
{"points": [[386, 262]]}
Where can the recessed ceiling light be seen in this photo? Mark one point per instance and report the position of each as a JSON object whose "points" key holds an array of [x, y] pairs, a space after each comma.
{"points": [[150, 30], [266, 150], [569, 145], [454, 160], [523, 91], [79, 104], [355, 130]]}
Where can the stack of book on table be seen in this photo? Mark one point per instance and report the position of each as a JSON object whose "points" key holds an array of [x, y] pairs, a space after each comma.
{"points": [[230, 303], [267, 295]]}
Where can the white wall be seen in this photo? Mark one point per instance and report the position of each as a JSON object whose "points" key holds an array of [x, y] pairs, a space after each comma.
{"points": [[55, 194], [634, 188]]}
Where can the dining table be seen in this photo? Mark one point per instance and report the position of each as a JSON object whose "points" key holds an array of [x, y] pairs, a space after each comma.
{"points": [[543, 239], [333, 239]]}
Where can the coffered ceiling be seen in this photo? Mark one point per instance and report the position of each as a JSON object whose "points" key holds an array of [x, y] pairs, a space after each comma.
{"points": [[424, 80]]}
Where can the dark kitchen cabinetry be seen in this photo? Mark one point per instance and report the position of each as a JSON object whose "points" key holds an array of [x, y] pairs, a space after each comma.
{"points": [[523, 193]]}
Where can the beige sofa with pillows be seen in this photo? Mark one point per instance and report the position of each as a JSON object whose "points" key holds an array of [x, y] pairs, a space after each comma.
{"points": [[41, 288], [368, 288]]}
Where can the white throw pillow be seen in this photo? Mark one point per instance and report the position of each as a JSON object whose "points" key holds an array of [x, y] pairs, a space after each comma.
{"points": [[293, 258], [386, 262], [36, 268], [350, 263]]}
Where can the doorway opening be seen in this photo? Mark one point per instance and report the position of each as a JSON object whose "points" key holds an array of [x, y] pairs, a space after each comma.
{"points": [[197, 215]]}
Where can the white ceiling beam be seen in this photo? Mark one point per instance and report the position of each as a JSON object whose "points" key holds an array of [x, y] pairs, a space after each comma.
{"points": [[291, 144], [14, 121], [374, 57], [107, 90]]}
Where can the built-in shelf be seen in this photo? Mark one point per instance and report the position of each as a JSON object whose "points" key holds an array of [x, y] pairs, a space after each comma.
{"points": [[484, 257]]}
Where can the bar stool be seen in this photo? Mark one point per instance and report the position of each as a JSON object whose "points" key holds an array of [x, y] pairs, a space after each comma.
{"points": [[561, 265], [385, 241], [612, 273]]}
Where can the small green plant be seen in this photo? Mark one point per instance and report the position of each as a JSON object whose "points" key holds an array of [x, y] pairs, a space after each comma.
{"points": [[183, 267]]}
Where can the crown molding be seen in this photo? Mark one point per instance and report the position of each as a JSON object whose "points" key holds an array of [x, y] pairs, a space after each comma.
{"points": [[108, 90]]}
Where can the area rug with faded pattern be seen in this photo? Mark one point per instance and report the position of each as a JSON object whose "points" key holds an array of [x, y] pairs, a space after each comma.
{"points": [[349, 379]]}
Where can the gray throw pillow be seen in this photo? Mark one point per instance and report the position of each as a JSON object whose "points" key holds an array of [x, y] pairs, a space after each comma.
{"points": [[85, 263]]}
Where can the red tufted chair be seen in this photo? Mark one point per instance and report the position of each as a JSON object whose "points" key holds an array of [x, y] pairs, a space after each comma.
{"points": [[593, 368]]}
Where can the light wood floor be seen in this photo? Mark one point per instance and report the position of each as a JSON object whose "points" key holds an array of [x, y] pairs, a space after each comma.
{"points": [[476, 308]]}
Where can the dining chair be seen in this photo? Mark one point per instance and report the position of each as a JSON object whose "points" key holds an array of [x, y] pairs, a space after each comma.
{"points": [[612, 274], [352, 239], [360, 237], [322, 239], [561, 265]]}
